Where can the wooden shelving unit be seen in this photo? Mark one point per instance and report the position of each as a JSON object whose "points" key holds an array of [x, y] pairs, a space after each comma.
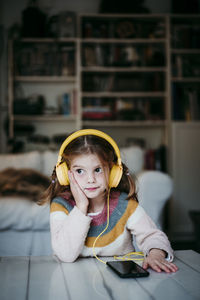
{"points": [[47, 67], [117, 46], [125, 69], [185, 121], [185, 75]]}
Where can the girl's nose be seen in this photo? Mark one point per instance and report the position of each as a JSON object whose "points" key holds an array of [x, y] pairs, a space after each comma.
{"points": [[91, 178]]}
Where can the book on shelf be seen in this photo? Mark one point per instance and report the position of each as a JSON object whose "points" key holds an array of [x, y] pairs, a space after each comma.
{"points": [[67, 59], [185, 102], [98, 108], [128, 55], [186, 35], [68, 103], [193, 105], [97, 113], [44, 59], [122, 28], [98, 83], [139, 109]]}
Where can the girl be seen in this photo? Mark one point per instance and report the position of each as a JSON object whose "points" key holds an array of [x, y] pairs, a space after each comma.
{"points": [[91, 188]]}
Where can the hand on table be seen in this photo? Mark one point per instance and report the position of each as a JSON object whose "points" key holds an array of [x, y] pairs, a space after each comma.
{"points": [[156, 260]]}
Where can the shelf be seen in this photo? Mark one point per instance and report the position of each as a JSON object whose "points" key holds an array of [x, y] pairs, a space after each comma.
{"points": [[184, 16], [186, 79], [122, 94], [122, 16], [157, 123], [190, 122], [185, 51], [123, 69], [48, 40], [44, 118], [45, 78], [123, 41]]}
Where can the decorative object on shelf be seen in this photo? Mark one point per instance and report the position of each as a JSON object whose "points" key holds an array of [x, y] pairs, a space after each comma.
{"points": [[67, 24], [125, 29], [22, 129], [62, 25], [33, 20], [33, 105], [65, 104]]}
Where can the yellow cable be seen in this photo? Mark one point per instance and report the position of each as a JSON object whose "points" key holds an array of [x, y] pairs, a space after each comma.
{"points": [[126, 256], [93, 247]]}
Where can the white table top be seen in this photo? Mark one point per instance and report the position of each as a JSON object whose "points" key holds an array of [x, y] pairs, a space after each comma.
{"points": [[42, 278]]}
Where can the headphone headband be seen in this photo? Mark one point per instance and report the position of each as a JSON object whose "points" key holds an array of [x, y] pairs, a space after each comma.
{"points": [[62, 169], [95, 132]]}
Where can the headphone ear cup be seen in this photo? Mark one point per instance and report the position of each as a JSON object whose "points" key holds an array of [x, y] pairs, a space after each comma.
{"points": [[62, 174], [115, 176]]}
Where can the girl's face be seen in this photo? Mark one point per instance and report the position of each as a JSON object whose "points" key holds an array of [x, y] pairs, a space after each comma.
{"points": [[90, 174]]}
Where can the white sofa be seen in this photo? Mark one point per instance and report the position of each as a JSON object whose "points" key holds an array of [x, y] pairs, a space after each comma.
{"points": [[24, 226]]}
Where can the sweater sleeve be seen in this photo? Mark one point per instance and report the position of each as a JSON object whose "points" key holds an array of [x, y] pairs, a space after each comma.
{"points": [[146, 233], [68, 233]]}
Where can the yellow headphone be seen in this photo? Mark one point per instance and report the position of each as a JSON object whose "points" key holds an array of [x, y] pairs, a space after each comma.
{"points": [[62, 169]]}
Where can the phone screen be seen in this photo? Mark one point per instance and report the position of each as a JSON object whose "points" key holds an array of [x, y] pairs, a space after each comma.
{"points": [[127, 269]]}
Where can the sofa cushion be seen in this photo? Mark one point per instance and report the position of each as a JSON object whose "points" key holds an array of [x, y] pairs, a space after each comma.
{"points": [[31, 160], [22, 214]]}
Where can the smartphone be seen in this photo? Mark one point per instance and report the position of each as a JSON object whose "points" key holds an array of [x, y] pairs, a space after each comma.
{"points": [[127, 269]]}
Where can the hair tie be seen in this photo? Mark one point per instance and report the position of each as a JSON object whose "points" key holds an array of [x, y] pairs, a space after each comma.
{"points": [[127, 173], [53, 181]]}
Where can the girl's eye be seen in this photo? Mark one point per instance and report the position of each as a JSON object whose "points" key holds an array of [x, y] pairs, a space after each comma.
{"points": [[79, 171], [98, 170]]}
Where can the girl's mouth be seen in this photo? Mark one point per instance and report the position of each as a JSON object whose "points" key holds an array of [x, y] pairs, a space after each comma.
{"points": [[91, 189]]}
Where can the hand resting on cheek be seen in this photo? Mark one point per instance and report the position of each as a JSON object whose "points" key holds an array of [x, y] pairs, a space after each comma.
{"points": [[79, 196]]}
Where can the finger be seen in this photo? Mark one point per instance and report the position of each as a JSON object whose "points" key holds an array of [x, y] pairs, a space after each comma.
{"points": [[167, 266], [159, 265], [172, 267], [71, 177], [155, 267], [73, 182], [152, 265], [145, 265]]}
